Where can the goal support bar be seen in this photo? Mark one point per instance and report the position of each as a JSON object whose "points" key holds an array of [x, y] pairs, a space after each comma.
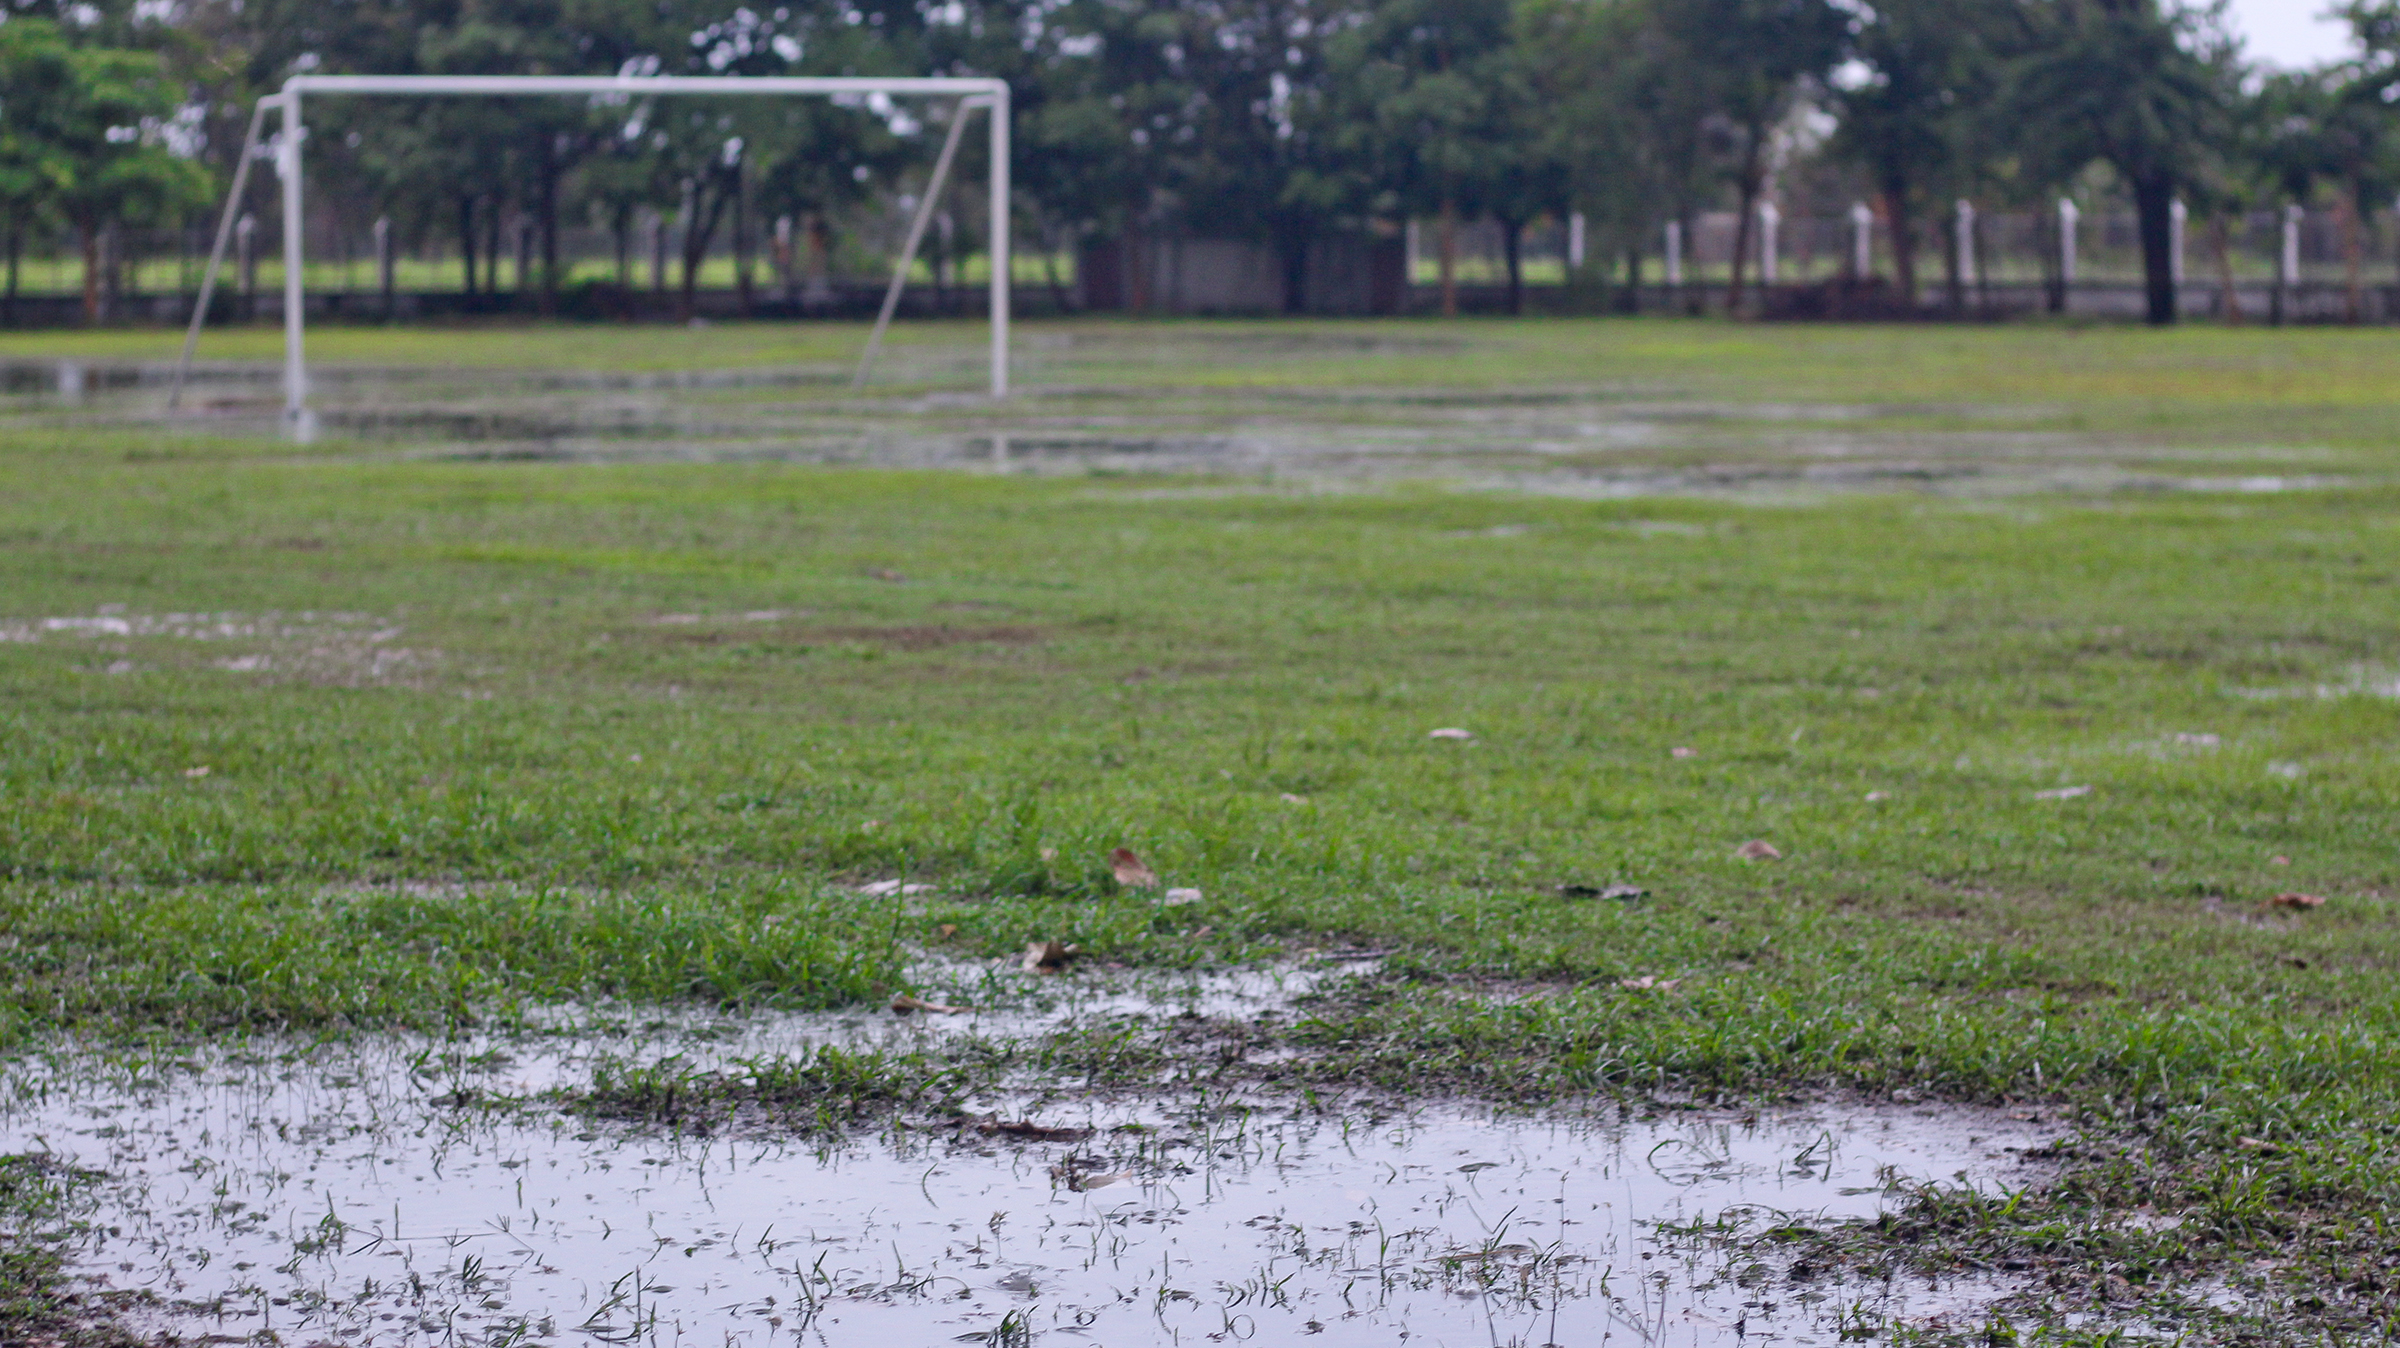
{"points": [[288, 104]]}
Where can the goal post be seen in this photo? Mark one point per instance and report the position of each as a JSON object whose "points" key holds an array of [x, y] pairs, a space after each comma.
{"points": [[970, 92]]}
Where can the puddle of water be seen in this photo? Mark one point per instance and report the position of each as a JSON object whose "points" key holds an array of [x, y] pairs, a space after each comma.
{"points": [[1584, 442], [337, 1194]]}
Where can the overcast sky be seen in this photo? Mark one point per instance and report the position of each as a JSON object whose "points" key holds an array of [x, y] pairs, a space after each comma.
{"points": [[2288, 32]]}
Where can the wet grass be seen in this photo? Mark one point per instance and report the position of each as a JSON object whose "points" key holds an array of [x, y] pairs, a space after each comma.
{"points": [[39, 1213], [526, 732]]}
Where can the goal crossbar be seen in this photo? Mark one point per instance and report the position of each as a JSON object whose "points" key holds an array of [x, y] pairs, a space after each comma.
{"points": [[991, 93]]}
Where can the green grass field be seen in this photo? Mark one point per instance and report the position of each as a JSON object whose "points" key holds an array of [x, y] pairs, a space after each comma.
{"points": [[451, 739]]}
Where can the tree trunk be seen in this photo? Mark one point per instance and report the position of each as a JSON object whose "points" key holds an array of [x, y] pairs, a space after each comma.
{"points": [[1512, 244], [1631, 302], [2353, 255], [698, 231], [1753, 181], [2220, 241], [466, 241], [1954, 270], [91, 275], [741, 238], [491, 249], [1058, 289], [1903, 228], [1294, 256], [1447, 246], [2154, 202], [547, 221]]}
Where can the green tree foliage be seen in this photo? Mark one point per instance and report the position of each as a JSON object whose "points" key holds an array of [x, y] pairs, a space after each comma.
{"points": [[83, 136], [2135, 84]]}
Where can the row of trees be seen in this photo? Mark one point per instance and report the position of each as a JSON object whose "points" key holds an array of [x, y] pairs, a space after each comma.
{"points": [[1276, 120]]}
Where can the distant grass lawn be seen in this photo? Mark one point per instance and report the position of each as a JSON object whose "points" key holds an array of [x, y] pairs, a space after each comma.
{"points": [[458, 735]]}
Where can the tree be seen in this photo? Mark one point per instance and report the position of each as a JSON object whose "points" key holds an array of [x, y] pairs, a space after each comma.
{"points": [[2134, 83], [85, 137], [1754, 58], [1926, 69], [37, 72], [1426, 92]]}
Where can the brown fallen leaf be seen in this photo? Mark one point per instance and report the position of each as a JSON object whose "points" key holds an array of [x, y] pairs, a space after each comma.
{"points": [[904, 1004], [1759, 849], [2289, 899], [946, 929], [885, 573], [1048, 956], [2256, 1144], [1049, 854], [1033, 1132], [1649, 983], [1130, 871], [1203, 930]]}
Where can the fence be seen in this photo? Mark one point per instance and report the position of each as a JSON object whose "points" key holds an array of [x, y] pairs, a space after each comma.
{"points": [[2294, 266]]}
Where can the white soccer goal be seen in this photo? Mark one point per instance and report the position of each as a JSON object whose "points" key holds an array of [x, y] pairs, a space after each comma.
{"points": [[991, 94]]}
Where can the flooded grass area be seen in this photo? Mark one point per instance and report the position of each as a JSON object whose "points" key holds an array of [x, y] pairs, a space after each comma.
{"points": [[1596, 790], [1586, 409], [403, 1191]]}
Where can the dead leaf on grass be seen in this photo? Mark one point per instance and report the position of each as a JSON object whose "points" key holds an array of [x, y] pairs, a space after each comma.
{"points": [[2062, 793], [1291, 799], [1649, 983], [1048, 956], [1177, 897], [885, 573], [2289, 899], [883, 889], [201, 771], [2256, 1144], [1681, 752], [1129, 870], [1451, 732], [1759, 849], [946, 929], [1879, 795], [2279, 861], [904, 1004]]}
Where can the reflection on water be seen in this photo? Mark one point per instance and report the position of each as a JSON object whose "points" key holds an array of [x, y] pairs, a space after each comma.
{"points": [[369, 1194], [1583, 442]]}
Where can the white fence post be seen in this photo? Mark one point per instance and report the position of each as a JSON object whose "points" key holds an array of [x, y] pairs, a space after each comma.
{"points": [[245, 259], [1574, 239], [383, 261], [1770, 218], [1674, 252], [2068, 215], [1963, 238], [1862, 241], [2178, 219]]}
